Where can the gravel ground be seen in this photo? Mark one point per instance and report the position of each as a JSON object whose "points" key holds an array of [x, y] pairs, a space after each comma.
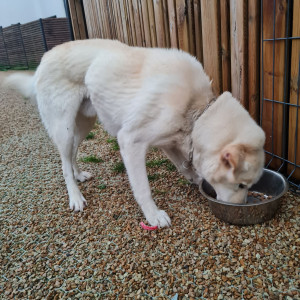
{"points": [[48, 252]]}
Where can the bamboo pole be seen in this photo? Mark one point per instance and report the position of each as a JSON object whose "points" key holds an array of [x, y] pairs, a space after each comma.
{"points": [[172, 24], [166, 23], [225, 44], [198, 30], [152, 23], [137, 22], [146, 24], [124, 23], [159, 23], [254, 58], [238, 51], [191, 27], [182, 25], [211, 43]]}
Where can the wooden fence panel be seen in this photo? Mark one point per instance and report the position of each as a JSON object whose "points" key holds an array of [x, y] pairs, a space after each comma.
{"points": [[23, 46], [14, 46], [4, 62], [56, 31], [34, 42]]}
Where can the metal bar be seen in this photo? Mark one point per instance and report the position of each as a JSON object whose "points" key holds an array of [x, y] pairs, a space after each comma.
{"points": [[273, 81], [67, 10], [43, 34], [262, 64], [280, 102], [282, 39], [286, 84], [283, 159], [297, 114]]}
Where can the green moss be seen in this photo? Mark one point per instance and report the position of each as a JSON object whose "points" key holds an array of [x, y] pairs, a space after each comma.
{"points": [[90, 136], [119, 167], [102, 186], [92, 159], [156, 163], [153, 177], [114, 142]]}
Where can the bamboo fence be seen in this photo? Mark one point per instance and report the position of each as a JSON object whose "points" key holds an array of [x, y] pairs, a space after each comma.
{"points": [[217, 32]]}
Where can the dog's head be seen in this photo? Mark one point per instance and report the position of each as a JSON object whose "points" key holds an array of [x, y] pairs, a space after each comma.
{"points": [[228, 149], [239, 167]]}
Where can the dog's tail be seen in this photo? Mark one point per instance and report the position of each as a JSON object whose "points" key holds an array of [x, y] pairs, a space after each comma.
{"points": [[22, 83]]}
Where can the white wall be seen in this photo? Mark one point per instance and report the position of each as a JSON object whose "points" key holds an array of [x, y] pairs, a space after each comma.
{"points": [[23, 11]]}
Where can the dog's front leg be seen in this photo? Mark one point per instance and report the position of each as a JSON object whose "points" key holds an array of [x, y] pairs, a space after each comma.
{"points": [[134, 156]]}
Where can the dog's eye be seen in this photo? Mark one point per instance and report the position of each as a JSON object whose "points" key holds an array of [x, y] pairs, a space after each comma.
{"points": [[242, 186]]}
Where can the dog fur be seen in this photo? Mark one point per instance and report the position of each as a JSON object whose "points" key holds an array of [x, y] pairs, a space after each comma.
{"points": [[145, 97]]}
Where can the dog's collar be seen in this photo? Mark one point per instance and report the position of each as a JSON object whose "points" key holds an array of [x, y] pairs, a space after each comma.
{"points": [[208, 105], [189, 163]]}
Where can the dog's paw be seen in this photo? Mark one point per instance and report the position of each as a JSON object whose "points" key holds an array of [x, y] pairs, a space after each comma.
{"points": [[159, 218], [78, 203], [83, 176]]}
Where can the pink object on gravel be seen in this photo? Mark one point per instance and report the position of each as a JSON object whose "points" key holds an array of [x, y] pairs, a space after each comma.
{"points": [[148, 227]]}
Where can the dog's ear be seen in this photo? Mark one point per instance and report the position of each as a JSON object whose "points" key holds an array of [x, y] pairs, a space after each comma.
{"points": [[231, 156]]}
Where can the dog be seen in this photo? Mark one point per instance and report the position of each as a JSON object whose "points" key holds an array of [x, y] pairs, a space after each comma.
{"points": [[145, 97]]}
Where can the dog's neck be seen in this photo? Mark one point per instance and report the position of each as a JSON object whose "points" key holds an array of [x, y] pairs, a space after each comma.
{"points": [[194, 116]]}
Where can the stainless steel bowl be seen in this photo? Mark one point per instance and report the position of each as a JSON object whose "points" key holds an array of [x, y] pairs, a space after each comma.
{"points": [[271, 183]]}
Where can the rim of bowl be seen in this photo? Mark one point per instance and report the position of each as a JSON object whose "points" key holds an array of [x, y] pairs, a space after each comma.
{"points": [[286, 187]]}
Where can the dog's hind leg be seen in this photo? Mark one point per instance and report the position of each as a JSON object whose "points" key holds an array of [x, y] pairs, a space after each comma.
{"points": [[64, 139], [59, 117], [85, 120]]}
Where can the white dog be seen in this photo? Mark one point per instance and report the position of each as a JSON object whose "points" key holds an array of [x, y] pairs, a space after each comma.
{"points": [[146, 97]]}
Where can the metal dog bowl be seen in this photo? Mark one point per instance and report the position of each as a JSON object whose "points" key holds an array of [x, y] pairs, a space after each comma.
{"points": [[271, 183]]}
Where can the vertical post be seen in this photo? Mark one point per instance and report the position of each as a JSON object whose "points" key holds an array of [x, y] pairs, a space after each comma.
{"points": [[67, 10], [210, 15], [43, 35], [225, 44], [254, 57], [238, 16]]}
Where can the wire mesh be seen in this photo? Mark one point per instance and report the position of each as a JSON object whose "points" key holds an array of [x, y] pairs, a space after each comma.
{"points": [[283, 158]]}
